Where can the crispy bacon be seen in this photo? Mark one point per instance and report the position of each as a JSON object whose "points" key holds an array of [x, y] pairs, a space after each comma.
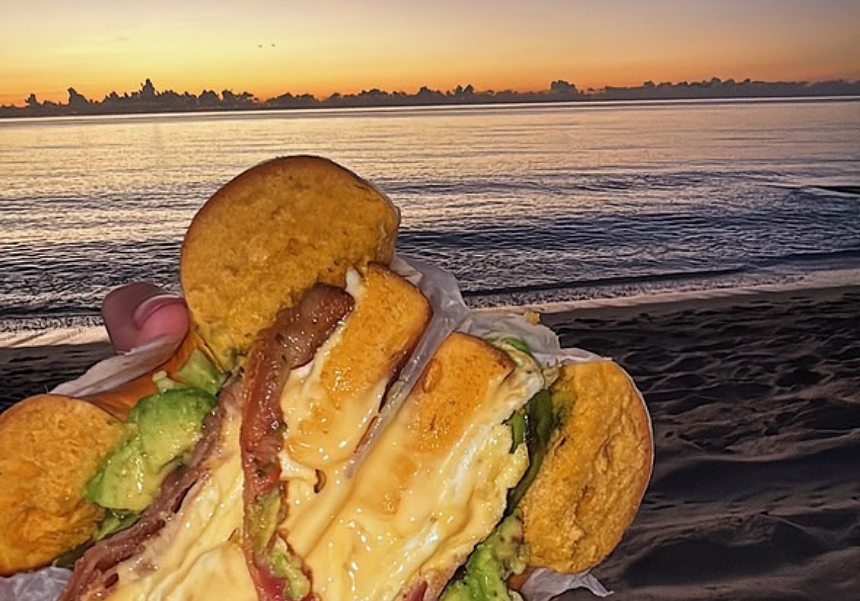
{"points": [[416, 593], [289, 343]]}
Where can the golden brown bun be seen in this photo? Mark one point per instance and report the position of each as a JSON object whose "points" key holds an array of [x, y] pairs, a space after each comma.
{"points": [[50, 446], [457, 382], [384, 327], [389, 318], [268, 235], [594, 477]]}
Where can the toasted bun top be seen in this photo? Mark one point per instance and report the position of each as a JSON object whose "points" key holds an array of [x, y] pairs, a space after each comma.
{"points": [[50, 446], [456, 385], [268, 235], [594, 476]]}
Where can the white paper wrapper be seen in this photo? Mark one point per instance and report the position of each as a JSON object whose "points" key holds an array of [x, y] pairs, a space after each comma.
{"points": [[116, 371], [544, 585], [42, 585], [449, 314]]}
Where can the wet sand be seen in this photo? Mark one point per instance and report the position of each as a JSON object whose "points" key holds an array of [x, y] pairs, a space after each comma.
{"points": [[755, 402], [29, 370]]}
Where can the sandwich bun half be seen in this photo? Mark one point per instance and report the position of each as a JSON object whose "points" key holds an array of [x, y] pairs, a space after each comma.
{"points": [[50, 446], [254, 248], [595, 473], [288, 223]]}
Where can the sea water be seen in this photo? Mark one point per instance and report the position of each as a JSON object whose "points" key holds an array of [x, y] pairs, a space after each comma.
{"points": [[525, 204]]}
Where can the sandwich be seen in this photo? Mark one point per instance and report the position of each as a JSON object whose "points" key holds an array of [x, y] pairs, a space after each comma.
{"points": [[54, 445], [374, 438]]}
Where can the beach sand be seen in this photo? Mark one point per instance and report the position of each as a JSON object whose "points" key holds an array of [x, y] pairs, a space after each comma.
{"points": [[755, 402], [29, 370]]}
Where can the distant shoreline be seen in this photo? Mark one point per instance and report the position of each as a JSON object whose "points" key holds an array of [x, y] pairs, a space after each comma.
{"points": [[482, 105], [148, 100]]}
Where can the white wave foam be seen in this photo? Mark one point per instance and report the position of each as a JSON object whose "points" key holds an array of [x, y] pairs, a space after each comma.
{"points": [[53, 337], [812, 281]]}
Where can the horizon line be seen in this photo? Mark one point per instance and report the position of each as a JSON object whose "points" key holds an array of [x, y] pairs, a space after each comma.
{"points": [[460, 88]]}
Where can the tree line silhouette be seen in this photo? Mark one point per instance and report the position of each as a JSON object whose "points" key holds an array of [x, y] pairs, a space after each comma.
{"points": [[149, 100]]}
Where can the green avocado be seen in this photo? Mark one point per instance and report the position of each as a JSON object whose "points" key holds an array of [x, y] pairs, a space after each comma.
{"points": [[287, 566], [541, 422], [198, 372], [489, 566], [162, 429]]}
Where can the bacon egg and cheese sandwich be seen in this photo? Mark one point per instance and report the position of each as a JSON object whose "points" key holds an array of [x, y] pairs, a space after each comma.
{"points": [[364, 447]]}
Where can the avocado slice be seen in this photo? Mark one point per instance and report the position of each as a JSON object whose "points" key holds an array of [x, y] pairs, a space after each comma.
{"points": [[489, 566], [541, 420], [162, 428]]}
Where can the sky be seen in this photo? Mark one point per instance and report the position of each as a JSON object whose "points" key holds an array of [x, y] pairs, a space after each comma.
{"points": [[269, 47]]}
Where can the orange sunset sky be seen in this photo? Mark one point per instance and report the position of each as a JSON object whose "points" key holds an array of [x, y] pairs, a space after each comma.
{"points": [[269, 47]]}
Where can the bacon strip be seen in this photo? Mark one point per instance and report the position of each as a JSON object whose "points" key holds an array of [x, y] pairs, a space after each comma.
{"points": [[416, 593], [290, 343]]}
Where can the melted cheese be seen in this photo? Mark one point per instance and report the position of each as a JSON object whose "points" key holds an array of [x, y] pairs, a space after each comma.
{"points": [[198, 555], [328, 407], [393, 530], [404, 514], [317, 452]]}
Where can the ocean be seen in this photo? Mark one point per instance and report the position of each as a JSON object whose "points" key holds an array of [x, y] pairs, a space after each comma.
{"points": [[753, 399], [525, 204]]}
